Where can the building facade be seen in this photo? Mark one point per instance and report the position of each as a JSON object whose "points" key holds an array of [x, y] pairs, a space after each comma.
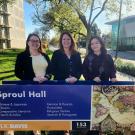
{"points": [[12, 31], [127, 32]]}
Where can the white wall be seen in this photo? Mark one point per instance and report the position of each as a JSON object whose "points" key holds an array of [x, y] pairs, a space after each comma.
{"points": [[130, 29], [16, 21]]}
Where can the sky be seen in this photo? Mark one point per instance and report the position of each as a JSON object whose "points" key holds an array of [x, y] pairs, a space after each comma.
{"points": [[28, 12], [101, 20]]}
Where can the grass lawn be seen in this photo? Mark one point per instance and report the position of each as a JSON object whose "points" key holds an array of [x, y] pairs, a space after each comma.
{"points": [[7, 63]]}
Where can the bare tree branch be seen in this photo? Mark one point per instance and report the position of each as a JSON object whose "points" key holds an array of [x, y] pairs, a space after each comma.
{"points": [[82, 34], [96, 8], [82, 18], [102, 9], [37, 14], [80, 15], [91, 11]]}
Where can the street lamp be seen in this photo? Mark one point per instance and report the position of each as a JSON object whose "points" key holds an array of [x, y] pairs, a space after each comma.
{"points": [[118, 32]]}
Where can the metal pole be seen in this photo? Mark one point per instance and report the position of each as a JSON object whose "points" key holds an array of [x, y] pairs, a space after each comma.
{"points": [[118, 32]]}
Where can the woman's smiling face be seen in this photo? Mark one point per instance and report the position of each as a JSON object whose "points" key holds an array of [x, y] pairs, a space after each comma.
{"points": [[34, 43], [66, 41], [95, 45]]}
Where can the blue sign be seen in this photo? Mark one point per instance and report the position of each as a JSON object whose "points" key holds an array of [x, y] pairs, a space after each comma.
{"points": [[45, 102]]}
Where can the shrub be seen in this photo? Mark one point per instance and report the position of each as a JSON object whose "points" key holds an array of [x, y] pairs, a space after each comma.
{"points": [[125, 67], [49, 52]]}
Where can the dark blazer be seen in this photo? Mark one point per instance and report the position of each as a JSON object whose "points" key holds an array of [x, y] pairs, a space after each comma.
{"points": [[24, 69], [99, 66], [63, 67]]}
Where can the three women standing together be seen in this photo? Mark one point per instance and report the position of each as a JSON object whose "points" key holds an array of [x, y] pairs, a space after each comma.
{"points": [[33, 64]]}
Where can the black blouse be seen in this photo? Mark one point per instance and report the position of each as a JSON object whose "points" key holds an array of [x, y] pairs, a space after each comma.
{"points": [[63, 67], [99, 66], [24, 69]]}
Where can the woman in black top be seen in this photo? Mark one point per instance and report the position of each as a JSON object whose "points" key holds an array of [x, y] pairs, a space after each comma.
{"points": [[98, 65], [33, 64], [66, 62], [66, 65]]}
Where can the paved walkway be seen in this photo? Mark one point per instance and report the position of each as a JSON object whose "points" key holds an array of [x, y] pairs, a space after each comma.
{"points": [[124, 77], [127, 55]]}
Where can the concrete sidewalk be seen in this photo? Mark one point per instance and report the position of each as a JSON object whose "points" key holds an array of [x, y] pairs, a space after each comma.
{"points": [[127, 55], [124, 77]]}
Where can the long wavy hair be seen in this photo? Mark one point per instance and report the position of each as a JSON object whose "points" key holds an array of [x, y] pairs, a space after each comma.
{"points": [[103, 49], [40, 49], [72, 47]]}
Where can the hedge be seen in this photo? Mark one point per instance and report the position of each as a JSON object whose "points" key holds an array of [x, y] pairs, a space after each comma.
{"points": [[125, 67]]}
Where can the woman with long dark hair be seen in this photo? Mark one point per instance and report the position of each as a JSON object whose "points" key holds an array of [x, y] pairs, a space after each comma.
{"points": [[33, 64], [98, 65]]}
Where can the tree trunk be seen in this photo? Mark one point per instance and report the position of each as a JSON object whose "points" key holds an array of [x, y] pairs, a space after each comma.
{"points": [[88, 39]]}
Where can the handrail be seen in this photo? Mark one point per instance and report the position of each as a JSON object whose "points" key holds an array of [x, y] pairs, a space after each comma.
{"points": [[61, 82]]}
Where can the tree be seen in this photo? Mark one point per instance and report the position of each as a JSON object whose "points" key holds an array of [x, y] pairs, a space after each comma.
{"points": [[7, 1], [54, 41], [95, 31], [43, 36], [83, 13], [59, 17], [42, 33]]}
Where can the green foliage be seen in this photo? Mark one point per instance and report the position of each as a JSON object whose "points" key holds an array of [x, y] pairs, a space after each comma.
{"points": [[125, 67], [66, 19], [49, 52], [7, 62], [6, 1], [59, 17]]}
